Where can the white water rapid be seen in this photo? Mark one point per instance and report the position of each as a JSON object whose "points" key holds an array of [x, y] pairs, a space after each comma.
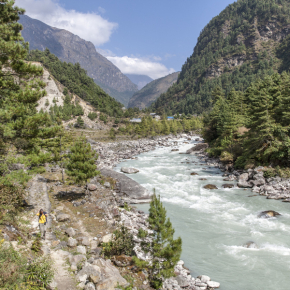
{"points": [[215, 224]]}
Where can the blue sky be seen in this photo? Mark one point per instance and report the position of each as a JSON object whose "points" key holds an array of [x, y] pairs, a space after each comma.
{"points": [[142, 37]]}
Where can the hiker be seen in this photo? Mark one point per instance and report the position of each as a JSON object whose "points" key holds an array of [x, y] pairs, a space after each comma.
{"points": [[42, 216]]}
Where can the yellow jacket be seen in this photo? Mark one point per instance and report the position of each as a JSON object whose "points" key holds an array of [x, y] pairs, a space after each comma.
{"points": [[42, 218]]}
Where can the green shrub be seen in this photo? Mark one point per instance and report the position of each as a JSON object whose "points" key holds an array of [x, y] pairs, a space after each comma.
{"points": [[270, 172], [121, 244], [16, 272], [92, 115]]}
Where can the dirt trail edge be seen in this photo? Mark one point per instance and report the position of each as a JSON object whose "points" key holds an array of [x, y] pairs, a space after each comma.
{"points": [[38, 198]]}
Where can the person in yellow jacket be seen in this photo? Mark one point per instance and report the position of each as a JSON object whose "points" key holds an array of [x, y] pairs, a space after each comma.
{"points": [[42, 216]]}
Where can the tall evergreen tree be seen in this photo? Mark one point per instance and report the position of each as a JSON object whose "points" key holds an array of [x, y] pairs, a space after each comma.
{"points": [[20, 89], [165, 251], [81, 164]]}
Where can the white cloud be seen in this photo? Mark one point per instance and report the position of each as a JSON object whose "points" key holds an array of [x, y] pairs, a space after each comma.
{"points": [[89, 26], [133, 65]]}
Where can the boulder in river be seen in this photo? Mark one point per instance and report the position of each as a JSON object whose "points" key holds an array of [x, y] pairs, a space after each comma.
{"points": [[268, 214], [175, 150], [129, 170], [130, 190], [228, 185], [250, 245], [210, 186], [193, 173], [202, 179]]}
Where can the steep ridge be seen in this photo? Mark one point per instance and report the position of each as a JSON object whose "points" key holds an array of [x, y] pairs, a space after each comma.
{"points": [[234, 49], [147, 95], [140, 80], [71, 48]]}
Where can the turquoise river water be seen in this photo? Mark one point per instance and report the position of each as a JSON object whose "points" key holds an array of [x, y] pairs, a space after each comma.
{"points": [[214, 224]]}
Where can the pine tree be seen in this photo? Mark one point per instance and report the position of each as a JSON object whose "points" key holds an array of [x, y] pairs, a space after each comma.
{"points": [[81, 164], [20, 89], [165, 251]]}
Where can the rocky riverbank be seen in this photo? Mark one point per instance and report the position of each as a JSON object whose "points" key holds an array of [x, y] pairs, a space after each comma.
{"points": [[81, 219], [112, 153], [255, 179]]}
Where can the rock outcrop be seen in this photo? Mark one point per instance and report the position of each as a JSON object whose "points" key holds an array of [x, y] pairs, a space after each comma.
{"points": [[130, 190]]}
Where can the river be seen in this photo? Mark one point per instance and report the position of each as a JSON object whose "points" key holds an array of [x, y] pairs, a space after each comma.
{"points": [[215, 224]]}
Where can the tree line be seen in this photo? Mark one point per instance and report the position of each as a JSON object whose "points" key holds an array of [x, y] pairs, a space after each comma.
{"points": [[252, 127]]}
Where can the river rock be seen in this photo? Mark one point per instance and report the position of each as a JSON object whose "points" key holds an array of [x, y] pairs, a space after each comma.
{"points": [[210, 186], [132, 191], [243, 181], [250, 245], [193, 173], [175, 150], [182, 281], [202, 179], [213, 284], [197, 147], [129, 170], [228, 185], [268, 214]]}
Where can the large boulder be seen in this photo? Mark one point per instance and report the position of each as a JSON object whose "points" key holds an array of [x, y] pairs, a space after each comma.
{"points": [[197, 147], [243, 181], [63, 217], [129, 170], [111, 274], [131, 190]]}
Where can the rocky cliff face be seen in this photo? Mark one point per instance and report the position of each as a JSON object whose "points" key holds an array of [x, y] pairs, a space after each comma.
{"points": [[71, 48], [146, 96]]}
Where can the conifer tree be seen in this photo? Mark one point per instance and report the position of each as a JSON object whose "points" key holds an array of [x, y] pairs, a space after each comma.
{"points": [[165, 251], [81, 162], [20, 89]]}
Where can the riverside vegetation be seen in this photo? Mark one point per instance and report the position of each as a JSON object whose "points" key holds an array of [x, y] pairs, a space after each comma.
{"points": [[31, 142]]}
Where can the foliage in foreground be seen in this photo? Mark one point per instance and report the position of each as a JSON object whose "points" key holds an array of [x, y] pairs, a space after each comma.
{"points": [[17, 272], [164, 250]]}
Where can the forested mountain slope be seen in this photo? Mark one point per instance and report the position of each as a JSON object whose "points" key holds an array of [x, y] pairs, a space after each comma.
{"points": [[71, 48], [247, 41], [147, 95]]}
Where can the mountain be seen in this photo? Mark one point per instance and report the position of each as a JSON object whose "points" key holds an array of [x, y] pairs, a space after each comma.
{"points": [[140, 80], [244, 42], [146, 96], [71, 48], [76, 80]]}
